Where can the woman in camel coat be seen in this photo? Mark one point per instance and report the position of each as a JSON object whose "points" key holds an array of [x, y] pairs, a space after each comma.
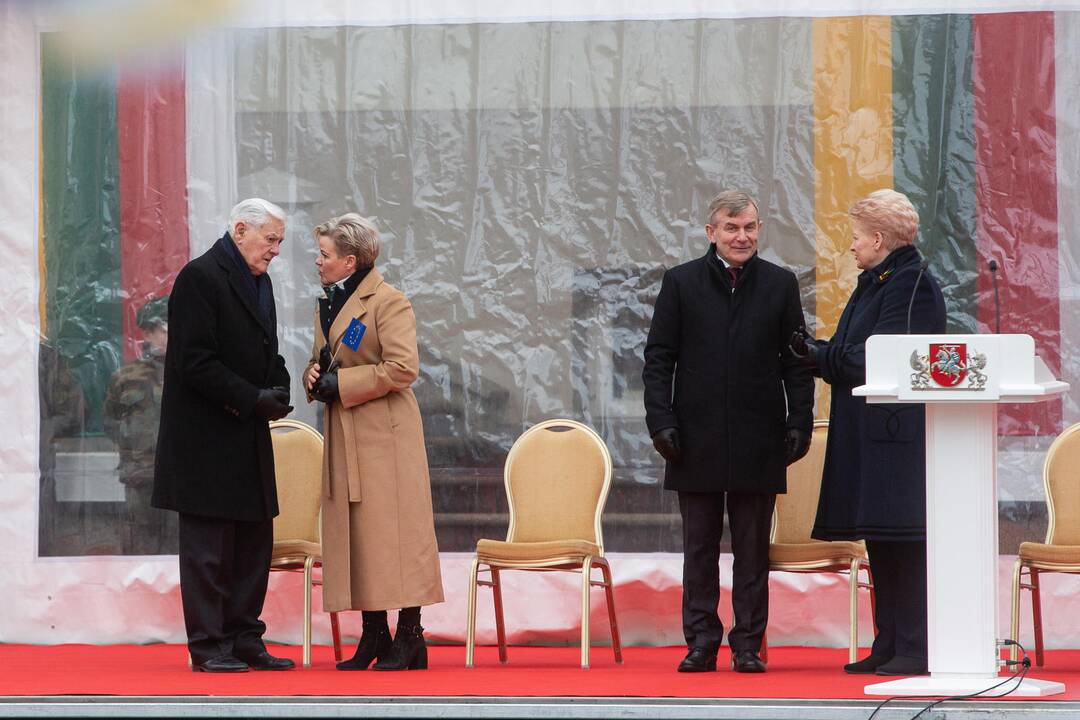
{"points": [[378, 531]]}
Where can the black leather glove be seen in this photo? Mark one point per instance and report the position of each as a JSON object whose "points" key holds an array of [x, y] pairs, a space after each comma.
{"points": [[282, 389], [796, 444], [666, 442], [272, 404], [325, 388], [326, 361], [805, 347]]}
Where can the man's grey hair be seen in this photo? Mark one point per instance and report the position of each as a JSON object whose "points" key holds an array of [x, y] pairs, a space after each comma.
{"points": [[255, 212], [731, 202]]}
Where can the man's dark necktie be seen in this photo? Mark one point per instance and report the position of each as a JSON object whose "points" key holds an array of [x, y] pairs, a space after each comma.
{"points": [[734, 273]]}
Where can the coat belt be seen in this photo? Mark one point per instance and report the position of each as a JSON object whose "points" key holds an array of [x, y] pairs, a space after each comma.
{"points": [[352, 463]]}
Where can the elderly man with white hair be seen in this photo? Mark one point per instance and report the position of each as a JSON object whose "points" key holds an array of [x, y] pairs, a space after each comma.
{"points": [[224, 383]]}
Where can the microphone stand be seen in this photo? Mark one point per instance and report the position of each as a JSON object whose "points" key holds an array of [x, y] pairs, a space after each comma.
{"points": [[997, 298], [922, 268]]}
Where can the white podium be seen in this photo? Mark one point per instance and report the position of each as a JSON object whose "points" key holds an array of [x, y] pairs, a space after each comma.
{"points": [[961, 379]]}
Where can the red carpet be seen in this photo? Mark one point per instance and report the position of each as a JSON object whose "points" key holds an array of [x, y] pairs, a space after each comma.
{"points": [[647, 672]]}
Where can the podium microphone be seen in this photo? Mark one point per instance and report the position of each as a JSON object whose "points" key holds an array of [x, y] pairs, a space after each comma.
{"points": [[997, 299], [922, 268]]}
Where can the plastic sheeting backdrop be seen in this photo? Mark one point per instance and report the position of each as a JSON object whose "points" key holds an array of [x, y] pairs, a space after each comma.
{"points": [[532, 182]]}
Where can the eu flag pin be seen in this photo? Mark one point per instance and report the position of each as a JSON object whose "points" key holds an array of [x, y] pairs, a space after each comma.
{"points": [[354, 334]]}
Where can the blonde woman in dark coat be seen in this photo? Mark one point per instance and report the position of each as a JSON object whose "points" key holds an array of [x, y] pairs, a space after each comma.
{"points": [[874, 482]]}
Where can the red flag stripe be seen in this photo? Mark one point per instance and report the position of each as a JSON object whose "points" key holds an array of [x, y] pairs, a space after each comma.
{"points": [[152, 136], [1016, 189]]}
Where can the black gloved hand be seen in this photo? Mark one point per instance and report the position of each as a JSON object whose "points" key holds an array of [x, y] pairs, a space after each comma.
{"points": [[326, 361], [805, 347], [282, 389], [272, 404], [666, 442], [325, 388], [796, 444]]}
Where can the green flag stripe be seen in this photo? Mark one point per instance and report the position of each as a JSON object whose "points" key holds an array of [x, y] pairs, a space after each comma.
{"points": [[934, 149], [81, 218]]}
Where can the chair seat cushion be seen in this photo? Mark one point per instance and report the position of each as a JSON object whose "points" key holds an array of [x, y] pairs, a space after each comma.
{"points": [[1052, 554], [295, 548], [498, 550], [821, 551]]}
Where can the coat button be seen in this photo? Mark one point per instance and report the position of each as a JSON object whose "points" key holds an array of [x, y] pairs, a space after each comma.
{"points": [[266, 341]]}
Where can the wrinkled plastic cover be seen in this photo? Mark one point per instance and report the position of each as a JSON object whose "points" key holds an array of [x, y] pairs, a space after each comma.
{"points": [[532, 182]]}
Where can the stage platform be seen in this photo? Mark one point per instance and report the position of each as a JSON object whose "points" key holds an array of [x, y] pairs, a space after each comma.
{"points": [[154, 681]]}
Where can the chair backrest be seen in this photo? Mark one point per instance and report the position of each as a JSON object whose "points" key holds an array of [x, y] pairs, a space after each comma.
{"points": [[298, 460], [557, 476], [1061, 478], [793, 519]]}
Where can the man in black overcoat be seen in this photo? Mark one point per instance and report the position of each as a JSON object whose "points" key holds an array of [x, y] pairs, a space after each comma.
{"points": [[728, 408], [224, 381]]}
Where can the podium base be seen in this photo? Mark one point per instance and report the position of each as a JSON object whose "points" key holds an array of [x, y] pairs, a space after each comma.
{"points": [[931, 686]]}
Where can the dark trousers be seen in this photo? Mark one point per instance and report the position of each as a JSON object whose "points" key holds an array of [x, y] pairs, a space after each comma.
{"points": [[224, 569], [750, 517], [899, 572]]}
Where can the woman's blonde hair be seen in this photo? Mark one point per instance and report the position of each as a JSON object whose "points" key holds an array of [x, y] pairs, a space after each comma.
{"points": [[890, 213], [352, 235]]}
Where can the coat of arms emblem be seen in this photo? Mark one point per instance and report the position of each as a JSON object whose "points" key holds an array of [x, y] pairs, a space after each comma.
{"points": [[946, 366]]}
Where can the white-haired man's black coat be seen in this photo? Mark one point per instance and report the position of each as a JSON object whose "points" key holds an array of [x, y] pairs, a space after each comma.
{"points": [[214, 457]]}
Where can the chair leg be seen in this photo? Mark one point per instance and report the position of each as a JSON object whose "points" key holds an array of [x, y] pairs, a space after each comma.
{"points": [[1014, 616], [609, 591], [500, 626], [853, 611], [586, 585], [335, 633], [1036, 615], [308, 563], [873, 598], [470, 622]]}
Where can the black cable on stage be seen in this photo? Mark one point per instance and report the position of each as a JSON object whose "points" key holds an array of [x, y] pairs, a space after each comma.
{"points": [[1018, 676]]}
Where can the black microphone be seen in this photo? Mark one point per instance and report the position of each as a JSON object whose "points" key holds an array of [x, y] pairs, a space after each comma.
{"points": [[922, 268], [997, 298]]}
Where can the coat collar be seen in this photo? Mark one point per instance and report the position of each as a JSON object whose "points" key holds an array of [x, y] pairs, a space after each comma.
{"points": [[350, 283], [720, 273], [354, 307], [893, 262], [223, 253]]}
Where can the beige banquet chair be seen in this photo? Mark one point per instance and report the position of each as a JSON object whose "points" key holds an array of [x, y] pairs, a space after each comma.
{"points": [[298, 459], [557, 476], [1060, 552], [791, 549]]}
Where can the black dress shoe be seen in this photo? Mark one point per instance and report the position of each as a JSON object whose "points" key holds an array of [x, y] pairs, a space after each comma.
{"points": [[903, 665], [221, 664], [867, 665], [407, 652], [266, 661], [698, 660], [747, 661], [374, 643]]}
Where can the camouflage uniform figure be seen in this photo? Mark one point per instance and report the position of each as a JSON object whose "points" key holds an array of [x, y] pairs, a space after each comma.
{"points": [[131, 414]]}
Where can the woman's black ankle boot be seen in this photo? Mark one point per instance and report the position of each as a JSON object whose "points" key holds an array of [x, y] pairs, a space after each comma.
{"points": [[409, 652], [374, 643]]}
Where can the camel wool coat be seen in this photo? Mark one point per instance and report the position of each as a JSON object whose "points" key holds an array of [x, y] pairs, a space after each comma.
{"points": [[378, 530]]}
